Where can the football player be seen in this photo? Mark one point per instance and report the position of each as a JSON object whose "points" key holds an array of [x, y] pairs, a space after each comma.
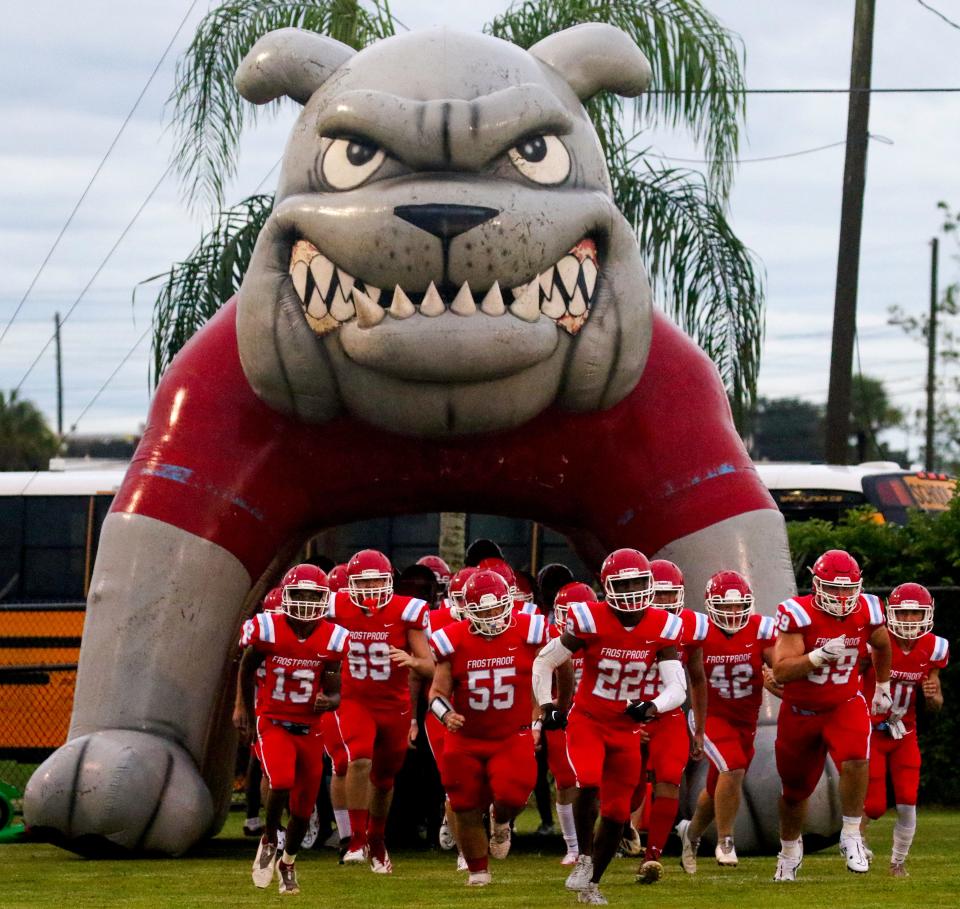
{"points": [[736, 647], [821, 641], [481, 694], [301, 654], [620, 639], [441, 571], [918, 657], [665, 743], [387, 639], [556, 739]]}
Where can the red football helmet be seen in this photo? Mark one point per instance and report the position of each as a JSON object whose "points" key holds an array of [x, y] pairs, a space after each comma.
{"points": [[909, 598], [370, 579], [457, 583], [337, 577], [627, 580], [836, 582], [505, 572], [305, 593], [525, 589], [570, 593], [440, 569], [729, 601], [487, 602], [667, 585], [272, 602]]}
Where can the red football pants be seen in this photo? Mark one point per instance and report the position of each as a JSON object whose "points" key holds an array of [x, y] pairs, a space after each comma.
{"points": [[333, 744], [728, 746], [902, 759], [292, 762], [377, 736], [477, 771]]}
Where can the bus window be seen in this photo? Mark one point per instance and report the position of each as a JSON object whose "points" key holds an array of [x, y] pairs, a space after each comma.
{"points": [[894, 494], [824, 504]]}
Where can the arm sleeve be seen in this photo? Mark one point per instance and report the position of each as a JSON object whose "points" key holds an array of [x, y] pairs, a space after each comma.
{"points": [[674, 686], [551, 657]]}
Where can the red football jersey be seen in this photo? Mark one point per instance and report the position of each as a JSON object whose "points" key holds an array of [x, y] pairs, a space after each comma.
{"points": [[371, 677], [576, 659], [492, 676], [618, 659], [833, 683], [293, 669], [440, 617], [909, 669], [694, 631], [733, 664]]}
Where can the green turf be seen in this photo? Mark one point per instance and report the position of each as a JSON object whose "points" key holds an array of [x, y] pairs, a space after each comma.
{"points": [[219, 875]]}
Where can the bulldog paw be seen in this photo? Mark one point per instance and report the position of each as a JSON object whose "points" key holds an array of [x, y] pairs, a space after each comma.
{"points": [[119, 791]]}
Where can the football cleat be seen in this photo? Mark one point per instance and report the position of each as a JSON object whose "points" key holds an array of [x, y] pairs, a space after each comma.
{"points": [[726, 853], [462, 863], [592, 896], [447, 842], [499, 839], [579, 878], [253, 826], [355, 856], [867, 851], [570, 858], [650, 872], [787, 868], [688, 848], [380, 861], [630, 842], [855, 854], [288, 878], [313, 831], [281, 839], [478, 879], [264, 865], [898, 869]]}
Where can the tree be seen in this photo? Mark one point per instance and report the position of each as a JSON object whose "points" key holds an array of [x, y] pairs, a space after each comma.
{"points": [[700, 271], [870, 414], [787, 429], [947, 383], [26, 442]]}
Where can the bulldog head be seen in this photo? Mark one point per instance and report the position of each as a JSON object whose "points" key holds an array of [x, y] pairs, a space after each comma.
{"points": [[444, 256]]}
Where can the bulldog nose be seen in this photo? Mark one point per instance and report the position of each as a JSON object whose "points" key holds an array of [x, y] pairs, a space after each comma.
{"points": [[445, 221]]}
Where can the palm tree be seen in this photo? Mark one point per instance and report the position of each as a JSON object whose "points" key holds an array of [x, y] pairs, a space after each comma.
{"points": [[26, 442], [700, 271]]}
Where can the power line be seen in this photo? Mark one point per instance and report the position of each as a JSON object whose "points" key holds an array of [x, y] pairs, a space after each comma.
{"points": [[937, 12], [906, 90], [99, 268], [96, 173]]}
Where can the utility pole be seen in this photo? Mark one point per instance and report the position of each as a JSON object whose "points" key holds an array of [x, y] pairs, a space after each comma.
{"points": [[851, 218], [56, 335], [931, 353]]}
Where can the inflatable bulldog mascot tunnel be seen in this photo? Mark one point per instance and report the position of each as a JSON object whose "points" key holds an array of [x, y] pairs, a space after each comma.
{"points": [[445, 311]]}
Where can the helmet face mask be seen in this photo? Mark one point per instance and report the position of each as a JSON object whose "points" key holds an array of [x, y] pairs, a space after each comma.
{"points": [[910, 611], [667, 596], [836, 583], [369, 579], [576, 592], [456, 591], [729, 601], [488, 603], [305, 593], [628, 592]]}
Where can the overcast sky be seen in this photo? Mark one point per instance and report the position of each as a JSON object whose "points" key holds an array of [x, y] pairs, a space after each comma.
{"points": [[71, 75]]}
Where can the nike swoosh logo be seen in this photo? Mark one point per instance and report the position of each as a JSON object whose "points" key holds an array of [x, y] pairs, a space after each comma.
{"points": [[511, 648], [389, 624]]}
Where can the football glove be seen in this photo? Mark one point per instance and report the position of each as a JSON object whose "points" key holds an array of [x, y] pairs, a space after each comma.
{"points": [[882, 700], [553, 717], [829, 652], [641, 711]]}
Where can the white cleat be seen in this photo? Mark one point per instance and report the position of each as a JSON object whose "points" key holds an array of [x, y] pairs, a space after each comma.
{"points": [[855, 855], [281, 840], [313, 831], [726, 853], [787, 868], [380, 865], [264, 865], [355, 856], [630, 843], [462, 863], [447, 842], [570, 858], [592, 896], [579, 878], [499, 840], [688, 848], [478, 879]]}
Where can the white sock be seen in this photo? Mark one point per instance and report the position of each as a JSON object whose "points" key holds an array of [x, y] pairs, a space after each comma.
{"points": [[791, 849], [342, 817], [568, 828], [288, 859], [851, 828], [903, 831]]}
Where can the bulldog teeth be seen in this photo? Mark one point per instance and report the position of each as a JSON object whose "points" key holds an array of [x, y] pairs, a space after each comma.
{"points": [[369, 313], [577, 305], [341, 308], [299, 274], [346, 282], [492, 303], [401, 307], [432, 304], [552, 306], [463, 304], [316, 308], [568, 269], [373, 293], [322, 270], [527, 304], [589, 276]]}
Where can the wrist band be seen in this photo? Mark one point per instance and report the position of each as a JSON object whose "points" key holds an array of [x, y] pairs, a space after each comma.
{"points": [[440, 707]]}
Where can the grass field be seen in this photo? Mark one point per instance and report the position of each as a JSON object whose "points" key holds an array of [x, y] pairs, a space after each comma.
{"points": [[219, 875]]}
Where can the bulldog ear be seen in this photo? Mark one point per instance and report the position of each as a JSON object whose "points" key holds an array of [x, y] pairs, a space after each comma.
{"points": [[291, 62], [593, 57]]}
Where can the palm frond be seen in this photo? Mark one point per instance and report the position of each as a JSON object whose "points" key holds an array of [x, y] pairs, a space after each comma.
{"points": [[208, 114], [701, 273], [199, 285], [697, 68]]}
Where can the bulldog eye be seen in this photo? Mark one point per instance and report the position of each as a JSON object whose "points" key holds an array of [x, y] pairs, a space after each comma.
{"points": [[349, 162], [543, 159]]}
